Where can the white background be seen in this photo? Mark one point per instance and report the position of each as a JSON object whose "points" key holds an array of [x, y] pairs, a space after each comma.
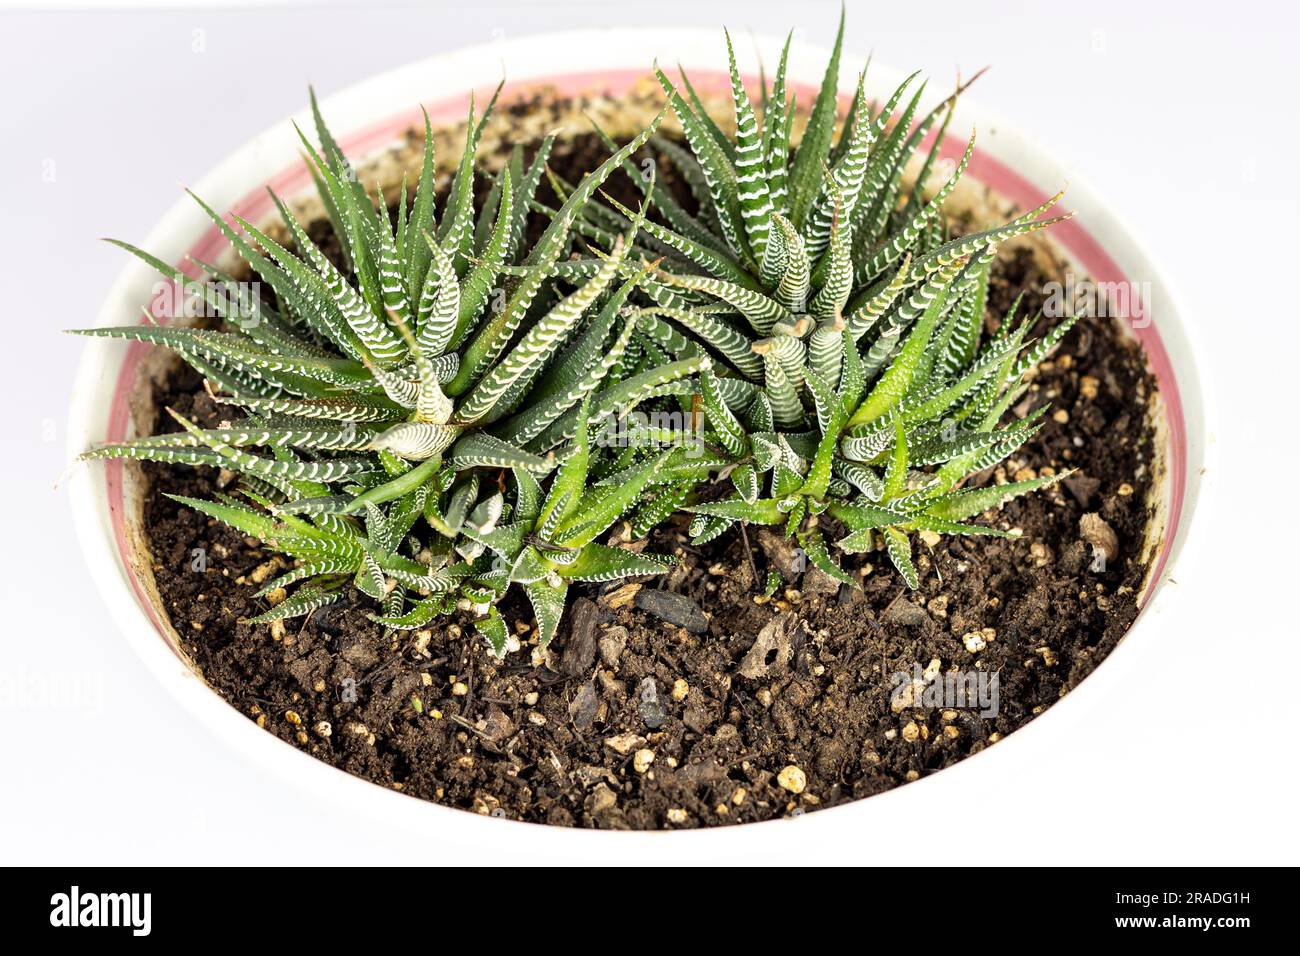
{"points": [[1183, 117]]}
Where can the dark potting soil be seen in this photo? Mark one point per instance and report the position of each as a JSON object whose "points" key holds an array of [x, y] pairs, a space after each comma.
{"points": [[690, 699]]}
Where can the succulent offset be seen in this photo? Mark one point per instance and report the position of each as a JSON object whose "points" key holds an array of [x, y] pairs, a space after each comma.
{"points": [[844, 321], [812, 333], [371, 391]]}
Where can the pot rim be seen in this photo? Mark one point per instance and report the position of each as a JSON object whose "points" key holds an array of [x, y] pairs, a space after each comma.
{"points": [[601, 54]]}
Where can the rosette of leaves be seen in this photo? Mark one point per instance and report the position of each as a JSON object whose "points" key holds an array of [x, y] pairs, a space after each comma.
{"points": [[551, 539], [387, 387], [843, 316]]}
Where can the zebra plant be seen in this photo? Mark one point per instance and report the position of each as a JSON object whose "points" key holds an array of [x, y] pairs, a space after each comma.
{"points": [[368, 394], [844, 319]]}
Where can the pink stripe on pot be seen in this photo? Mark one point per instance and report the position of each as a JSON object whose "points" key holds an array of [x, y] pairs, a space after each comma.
{"points": [[1082, 247]]}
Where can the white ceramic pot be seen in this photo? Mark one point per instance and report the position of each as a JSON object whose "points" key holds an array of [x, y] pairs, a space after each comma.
{"points": [[105, 497]]}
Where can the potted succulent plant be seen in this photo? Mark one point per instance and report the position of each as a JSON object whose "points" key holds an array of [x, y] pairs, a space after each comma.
{"points": [[705, 465]]}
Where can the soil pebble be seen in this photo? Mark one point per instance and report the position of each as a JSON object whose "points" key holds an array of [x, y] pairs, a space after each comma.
{"points": [[649, 706], [674, 608]]}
